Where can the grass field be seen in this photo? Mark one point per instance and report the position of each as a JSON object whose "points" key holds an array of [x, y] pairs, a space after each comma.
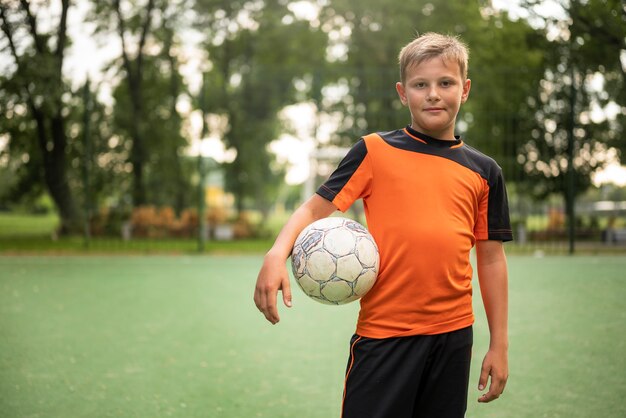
{"points": [[179, 336], [13, 224]]}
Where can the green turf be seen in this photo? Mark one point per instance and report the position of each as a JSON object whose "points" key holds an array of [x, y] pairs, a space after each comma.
{"points": [[179, 336], [25, 245], [26, 225]]}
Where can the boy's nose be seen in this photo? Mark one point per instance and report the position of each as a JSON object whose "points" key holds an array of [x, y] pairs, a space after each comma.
{"points": [[433, 95]]}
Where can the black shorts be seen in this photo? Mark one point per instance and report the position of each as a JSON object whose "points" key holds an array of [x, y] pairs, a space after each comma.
{"points": [[422, 376]]}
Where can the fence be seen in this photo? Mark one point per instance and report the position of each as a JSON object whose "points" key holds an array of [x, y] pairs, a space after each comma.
{"points": [[598, 224]]}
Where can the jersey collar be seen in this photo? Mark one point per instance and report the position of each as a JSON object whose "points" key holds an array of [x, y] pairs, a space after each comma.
{"points": [[439, 143]]}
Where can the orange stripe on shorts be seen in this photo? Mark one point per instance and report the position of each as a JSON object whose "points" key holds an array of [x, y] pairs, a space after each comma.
{"points": [[345, 383]]}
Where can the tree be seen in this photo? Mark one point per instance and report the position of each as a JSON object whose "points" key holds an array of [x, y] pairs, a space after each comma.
{"points": [[36, 94], [373, 33], [583, 79], [146, 119], [111, 16], [506, 67], [494, 117], [569, 145], [256, 51]]}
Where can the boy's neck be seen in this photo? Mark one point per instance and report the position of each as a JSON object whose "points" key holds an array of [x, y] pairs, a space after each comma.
{"points": [[432, 140]]}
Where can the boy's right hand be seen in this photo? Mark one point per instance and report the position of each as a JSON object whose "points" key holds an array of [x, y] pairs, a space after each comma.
{"points": [[273, 275], [272, 278]]}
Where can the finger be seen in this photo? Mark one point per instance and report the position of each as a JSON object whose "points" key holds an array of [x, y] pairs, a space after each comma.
{"points": [[262, 299], [495, 390], [286, 287], [257, 298], [492, 395], [482, 380], [271, 311]]}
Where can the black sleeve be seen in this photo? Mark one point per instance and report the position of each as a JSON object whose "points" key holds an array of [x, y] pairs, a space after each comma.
{"points": [[344, 171], [498, 220]]}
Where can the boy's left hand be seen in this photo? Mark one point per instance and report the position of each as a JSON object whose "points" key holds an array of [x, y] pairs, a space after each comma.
{"points": [[496, 366]]}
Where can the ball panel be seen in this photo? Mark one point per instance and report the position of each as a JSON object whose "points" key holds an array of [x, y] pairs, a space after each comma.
{"points": [[356, 227], [311, 241], [309, 286], [298, 261], [366, 251], [348, 268], [325, 224], [365, 282], [339, 241], [320, 266], [350, 299], [336, 290]]}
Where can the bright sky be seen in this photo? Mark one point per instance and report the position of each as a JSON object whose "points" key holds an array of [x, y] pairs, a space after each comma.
{"points": [[87, 57]]}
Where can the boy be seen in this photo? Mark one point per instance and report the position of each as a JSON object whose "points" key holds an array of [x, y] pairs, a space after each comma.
{"points": [[428, 198]]}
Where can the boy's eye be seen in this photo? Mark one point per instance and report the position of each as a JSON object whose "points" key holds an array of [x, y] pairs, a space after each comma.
{"points": [[446, 83], [420, 85]]}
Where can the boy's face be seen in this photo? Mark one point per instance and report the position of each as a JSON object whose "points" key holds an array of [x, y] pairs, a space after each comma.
{"points": [[434, 91]]}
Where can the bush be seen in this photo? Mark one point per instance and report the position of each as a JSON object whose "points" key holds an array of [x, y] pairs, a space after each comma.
{"points": [[162, 222]]}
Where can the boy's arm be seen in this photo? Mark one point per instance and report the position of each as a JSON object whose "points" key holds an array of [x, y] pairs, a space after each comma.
{"points": [[493, 278], [273, 275]]}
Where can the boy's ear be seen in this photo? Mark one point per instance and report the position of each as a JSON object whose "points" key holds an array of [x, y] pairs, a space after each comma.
{"points": [[401, 92], [466, 89]]}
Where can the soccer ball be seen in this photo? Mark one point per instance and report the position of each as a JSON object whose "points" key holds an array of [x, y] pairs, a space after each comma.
{"points": [[335, 260]]}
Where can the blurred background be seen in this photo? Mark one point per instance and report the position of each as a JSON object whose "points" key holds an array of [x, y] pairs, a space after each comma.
{"points": [[195, 127], [200, 125]]}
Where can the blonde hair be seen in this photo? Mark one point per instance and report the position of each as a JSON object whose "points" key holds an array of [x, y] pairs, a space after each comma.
{"points": [[432, 45]]}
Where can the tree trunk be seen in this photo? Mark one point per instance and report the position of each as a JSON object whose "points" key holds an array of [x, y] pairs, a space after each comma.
{"points": [[134, 77], [49, 119], [179, 198], [137, 153], [55, 170]]}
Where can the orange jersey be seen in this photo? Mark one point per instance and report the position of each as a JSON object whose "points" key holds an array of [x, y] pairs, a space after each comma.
{"points": [[426, 203]]}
